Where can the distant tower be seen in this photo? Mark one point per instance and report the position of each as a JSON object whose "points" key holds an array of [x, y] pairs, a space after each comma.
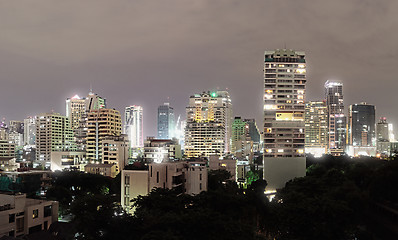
{"points": [[94, 102], [362, 125], [336, 119], [208, 127], [30, 131], [133, 125], [101, 124], [166, 121], [383, 137], [316, 128], [53, 133], [284, 96], [382, 130], [75, 110]]}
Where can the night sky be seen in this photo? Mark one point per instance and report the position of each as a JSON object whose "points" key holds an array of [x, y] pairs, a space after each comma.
{"points": [[143, 52]]}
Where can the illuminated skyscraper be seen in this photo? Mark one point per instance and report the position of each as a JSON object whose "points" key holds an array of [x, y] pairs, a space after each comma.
{"points": [[94, 102], [77, 109], [336, 119], [208, 127], [101, 124], [382, 130], [284, 96], [133, 126], [16, 126], [316, 128], [242, 143], [361, 130], [383, 137], [166, 122], [240, 130], [53, 133], [30, 131]]}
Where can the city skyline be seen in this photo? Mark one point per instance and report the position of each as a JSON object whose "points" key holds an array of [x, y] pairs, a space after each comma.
{"points": [[127, 64]]}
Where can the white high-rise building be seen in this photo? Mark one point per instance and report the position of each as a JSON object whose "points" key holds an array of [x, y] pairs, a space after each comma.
{"points": [[316, 128], [53, 134], [209, 124], [284, 115], [75, 110], [133, 126], [30, 131]]}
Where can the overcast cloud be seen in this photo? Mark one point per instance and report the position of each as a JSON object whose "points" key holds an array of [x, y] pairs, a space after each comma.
{"points": [[144, 51]]}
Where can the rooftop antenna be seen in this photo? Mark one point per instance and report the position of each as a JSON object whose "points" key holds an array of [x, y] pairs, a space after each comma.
{"points": [[91, 89], [285, 45]]}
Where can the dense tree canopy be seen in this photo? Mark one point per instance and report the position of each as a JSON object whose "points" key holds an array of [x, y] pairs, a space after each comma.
{"points": [[334, 201]]}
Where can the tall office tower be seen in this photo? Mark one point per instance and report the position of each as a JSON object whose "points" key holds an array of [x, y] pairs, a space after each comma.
{"points": [[101, 123], [3, 130], [94, 102], [133, 126], [336, 118], [254, 133], [209, 122], [382, 130], [383, 137], [284, 96], [242, 144], [391, 132], [316, 128], [239, 133], [30, 131], [53, 133], [166, 122], [16, 127], [75, 110], [361, 130]]}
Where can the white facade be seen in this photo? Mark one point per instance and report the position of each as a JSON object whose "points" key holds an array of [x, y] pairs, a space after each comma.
{"points": [[209, 124], [30, 131], [115, 151], [68, 160], [17, 138], [133, 125], [161, 150], [20, 215], [184, 177], [75, 110], [53, 133]]}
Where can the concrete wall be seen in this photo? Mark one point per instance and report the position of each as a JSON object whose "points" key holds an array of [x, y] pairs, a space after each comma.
{"points": [[278, 171]]}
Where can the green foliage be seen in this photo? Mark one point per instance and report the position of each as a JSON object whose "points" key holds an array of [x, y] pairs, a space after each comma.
{"points": [[164, 214], [71, 186], [217, 179], [251, 176]]}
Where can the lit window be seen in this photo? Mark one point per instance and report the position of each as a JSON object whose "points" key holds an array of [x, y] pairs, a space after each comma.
{"points": [[35, 213]]}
